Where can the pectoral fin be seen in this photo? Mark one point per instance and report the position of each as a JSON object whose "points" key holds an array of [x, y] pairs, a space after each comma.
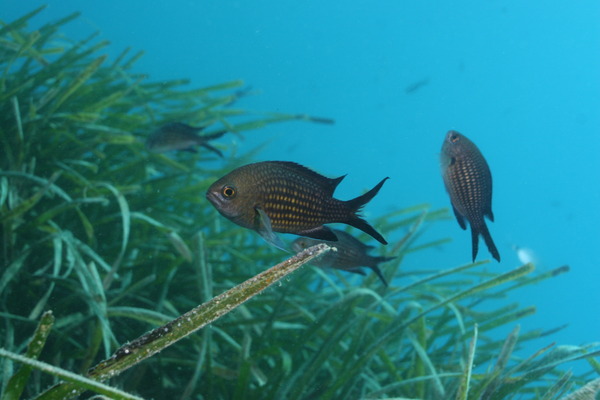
{"points": [[264, 229]]}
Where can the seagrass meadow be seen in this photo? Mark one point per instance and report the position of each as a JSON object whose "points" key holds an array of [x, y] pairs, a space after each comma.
{"points": [[119, 280]]}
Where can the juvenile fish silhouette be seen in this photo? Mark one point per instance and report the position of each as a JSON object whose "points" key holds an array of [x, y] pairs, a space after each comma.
{"points": [[468, 181], [280, 196], [413, 87], [351, 254], [179, 136]]}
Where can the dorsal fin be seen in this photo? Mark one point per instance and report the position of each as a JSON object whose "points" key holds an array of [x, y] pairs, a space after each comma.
{"points": [[328, 184]]}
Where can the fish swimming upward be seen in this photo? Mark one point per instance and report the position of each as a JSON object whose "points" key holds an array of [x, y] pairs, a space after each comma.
{"points": [[179, 136], [280, 196], [469, 183], [350, 256]]}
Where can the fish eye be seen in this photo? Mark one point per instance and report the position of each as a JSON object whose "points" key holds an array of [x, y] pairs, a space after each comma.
{"points": [[454, 138], [228, 192]]}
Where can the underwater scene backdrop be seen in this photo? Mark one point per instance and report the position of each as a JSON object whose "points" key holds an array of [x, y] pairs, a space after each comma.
{"points": [[520, 79]]}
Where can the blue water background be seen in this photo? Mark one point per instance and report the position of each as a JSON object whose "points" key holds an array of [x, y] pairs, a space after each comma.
{"points": [[521, 79]]}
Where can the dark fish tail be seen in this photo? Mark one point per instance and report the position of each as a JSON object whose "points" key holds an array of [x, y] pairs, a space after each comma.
{"points": [[214, 135], [374, 266], [212, 148], [489, 242], [379, 260], [356, 204], [364, 226], [474, 241], [379, 274], [485, 233]]}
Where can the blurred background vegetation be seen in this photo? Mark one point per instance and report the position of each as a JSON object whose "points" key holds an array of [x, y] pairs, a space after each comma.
{"points": [[116, 241]]}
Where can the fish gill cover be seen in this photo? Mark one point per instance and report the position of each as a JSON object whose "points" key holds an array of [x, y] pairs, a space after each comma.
{"points": [[110, 254]]}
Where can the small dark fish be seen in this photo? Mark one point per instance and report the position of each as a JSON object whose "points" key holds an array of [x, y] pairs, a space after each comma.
{"points": [[469, 183], [280, 196], [179, 136], [350, 256], [413, 87]]}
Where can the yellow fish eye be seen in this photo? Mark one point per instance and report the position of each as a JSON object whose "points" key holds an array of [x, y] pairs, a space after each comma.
{"points": [[228, 192]]}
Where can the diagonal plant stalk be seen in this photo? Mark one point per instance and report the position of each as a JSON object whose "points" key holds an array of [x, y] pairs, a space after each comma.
{"points": [[83, 383], [164, 336]]}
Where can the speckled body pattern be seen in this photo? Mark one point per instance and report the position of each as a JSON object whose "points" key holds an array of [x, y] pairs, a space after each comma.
{"points": [[468, 181], [296, 199]]}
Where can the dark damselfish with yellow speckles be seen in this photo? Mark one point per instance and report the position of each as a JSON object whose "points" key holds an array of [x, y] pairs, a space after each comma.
{"points": [[468, 181], [280, 196]]}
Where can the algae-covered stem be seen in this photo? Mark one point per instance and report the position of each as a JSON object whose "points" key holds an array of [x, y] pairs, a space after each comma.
{"points": [[162, 337]]}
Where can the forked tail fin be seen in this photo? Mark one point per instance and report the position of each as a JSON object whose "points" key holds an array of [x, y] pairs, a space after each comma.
{"points": [[487, 238], [379, 274], [374, 265], [356, 204]]}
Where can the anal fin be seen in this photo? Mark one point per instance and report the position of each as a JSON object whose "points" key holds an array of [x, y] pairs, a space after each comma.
{"points": [[321, 233], [460, 219]]}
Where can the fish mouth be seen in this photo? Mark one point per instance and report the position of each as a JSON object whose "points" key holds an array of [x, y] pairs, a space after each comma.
{"points": [[213, 198], [222, 206]]}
